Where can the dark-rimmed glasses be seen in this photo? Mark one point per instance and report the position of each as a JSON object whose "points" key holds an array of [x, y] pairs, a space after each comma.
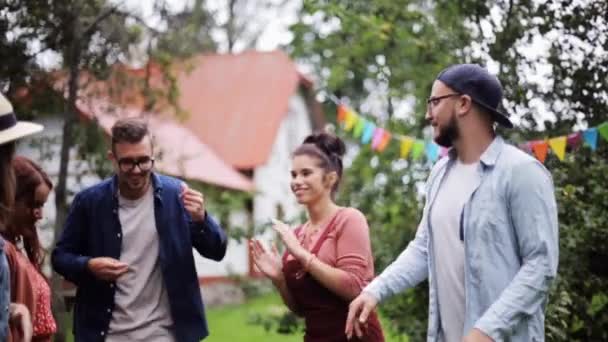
{"points": [[434, 101], [129, 164]]}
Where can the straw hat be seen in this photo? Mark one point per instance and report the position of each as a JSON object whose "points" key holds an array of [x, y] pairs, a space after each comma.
{"points": [[10, 128]]}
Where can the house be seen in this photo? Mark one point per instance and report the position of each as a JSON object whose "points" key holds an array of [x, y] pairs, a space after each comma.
{"points": [[242, 116]]}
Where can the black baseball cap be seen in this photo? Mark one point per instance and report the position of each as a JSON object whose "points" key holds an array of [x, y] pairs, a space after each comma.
{"points": [[483, 88]]}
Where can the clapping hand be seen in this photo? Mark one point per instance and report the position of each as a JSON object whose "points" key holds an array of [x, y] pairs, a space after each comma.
{"points": [[267, 261], [290, 240]]}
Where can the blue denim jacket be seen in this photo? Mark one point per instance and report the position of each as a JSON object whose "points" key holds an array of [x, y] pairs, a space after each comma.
{"points": [[5, 294], [93, 229], [510, 235]]}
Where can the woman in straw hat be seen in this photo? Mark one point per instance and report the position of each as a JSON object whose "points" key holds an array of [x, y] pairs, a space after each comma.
{"points": [[10, 131]]}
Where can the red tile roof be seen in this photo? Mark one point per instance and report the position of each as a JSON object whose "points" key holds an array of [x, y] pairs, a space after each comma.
{"points": [[235, 103], [182, 154]]}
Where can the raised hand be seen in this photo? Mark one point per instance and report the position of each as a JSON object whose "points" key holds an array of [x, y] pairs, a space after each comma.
{"points": [[268, 262], [108, 269], [358, 313], [194, 202], [290, 240]]}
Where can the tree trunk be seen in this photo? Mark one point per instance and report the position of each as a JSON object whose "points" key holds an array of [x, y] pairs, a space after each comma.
{"points": [[59, 308]]}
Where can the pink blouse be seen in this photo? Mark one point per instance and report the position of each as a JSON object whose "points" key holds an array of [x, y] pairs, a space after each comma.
{"points": [[347, 247]]}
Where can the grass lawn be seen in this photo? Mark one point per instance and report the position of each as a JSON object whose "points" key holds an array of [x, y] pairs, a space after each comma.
{"points": [[231, 323]]}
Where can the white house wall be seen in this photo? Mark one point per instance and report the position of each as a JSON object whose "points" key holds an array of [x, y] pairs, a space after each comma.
{"points": [[272, 180]]}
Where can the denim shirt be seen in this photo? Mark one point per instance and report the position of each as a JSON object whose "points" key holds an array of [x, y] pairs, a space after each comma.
{"points": [[93, 229], [510, 234], [5, 294]]}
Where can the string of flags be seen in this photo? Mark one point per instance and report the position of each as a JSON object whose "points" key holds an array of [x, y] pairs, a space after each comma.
{"points": [[367, 132]]}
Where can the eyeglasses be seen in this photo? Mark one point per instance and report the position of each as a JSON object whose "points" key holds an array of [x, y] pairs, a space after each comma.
{"points": [[434, 101], [128, 164]]}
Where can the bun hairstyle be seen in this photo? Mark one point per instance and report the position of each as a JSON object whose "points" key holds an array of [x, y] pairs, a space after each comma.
{"points": [[326, 147]]}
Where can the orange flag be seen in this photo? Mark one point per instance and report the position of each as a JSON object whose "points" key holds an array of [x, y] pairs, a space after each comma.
{"points": [[386, 138], [342, 113], [540, 148]]}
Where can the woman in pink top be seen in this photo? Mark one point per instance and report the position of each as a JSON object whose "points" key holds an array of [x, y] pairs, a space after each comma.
{"points": [[328, 260], [28, 285]]}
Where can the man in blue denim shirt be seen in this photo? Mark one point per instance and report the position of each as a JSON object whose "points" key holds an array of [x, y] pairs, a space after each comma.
{"points": [[127, 245], [488, 238]]}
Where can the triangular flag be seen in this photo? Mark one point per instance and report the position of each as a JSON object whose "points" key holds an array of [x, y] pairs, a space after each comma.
{"points": [[558, 145], [351, 120], [590, 138], [527, 146], [378, 133], [603, 129], [386, 138], [342, 110], [368, 133], [417, 149], [574, 139], [406, 146], [540, 149], [432, 151], [359, 127]]}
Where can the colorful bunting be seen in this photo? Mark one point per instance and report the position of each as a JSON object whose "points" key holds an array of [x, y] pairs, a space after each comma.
{"points": [[379, 138], [386, 137], [368, 133], [574, 139], [432, 151], [342, 110], [406, 146], [558, 145], [417, 149], [590, 137], [351, 120], [378, 134], [540, 149], [603, 129], [359, 128]]}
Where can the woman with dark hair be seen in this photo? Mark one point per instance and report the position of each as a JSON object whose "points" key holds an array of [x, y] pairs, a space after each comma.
{"points": [[328, 260], [29, 286], [10, 131]]}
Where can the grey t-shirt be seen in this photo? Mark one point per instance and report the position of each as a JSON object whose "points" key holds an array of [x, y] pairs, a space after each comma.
{"points": [[448, 249], [141, 310]]}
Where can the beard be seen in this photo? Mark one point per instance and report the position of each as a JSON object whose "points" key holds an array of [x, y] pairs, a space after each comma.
{"points": [[448, 134]]}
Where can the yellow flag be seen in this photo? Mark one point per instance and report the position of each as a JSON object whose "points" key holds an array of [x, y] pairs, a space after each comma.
{"points": [[351, 120], [406, 146], [558, 145]]}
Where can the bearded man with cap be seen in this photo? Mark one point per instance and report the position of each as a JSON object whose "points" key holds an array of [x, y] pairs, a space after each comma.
{"points": [[488, 238], [10, 131]]}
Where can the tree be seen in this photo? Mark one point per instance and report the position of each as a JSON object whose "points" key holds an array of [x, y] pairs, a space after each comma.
{"points": [[90, 37]]}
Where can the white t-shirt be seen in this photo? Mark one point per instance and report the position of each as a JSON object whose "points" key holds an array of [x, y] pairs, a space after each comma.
{"points": [[141, 305], [455, 190]]}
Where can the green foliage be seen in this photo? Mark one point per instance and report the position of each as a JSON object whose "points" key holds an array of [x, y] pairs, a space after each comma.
{"points": [[578, 309], [359, 45]]}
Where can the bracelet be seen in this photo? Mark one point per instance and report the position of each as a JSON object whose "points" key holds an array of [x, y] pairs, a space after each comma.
{"points": [[309, 262]]}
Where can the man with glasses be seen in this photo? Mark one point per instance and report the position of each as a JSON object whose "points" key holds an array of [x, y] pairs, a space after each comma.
{"points": [[488, 238], [127, 245]]}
